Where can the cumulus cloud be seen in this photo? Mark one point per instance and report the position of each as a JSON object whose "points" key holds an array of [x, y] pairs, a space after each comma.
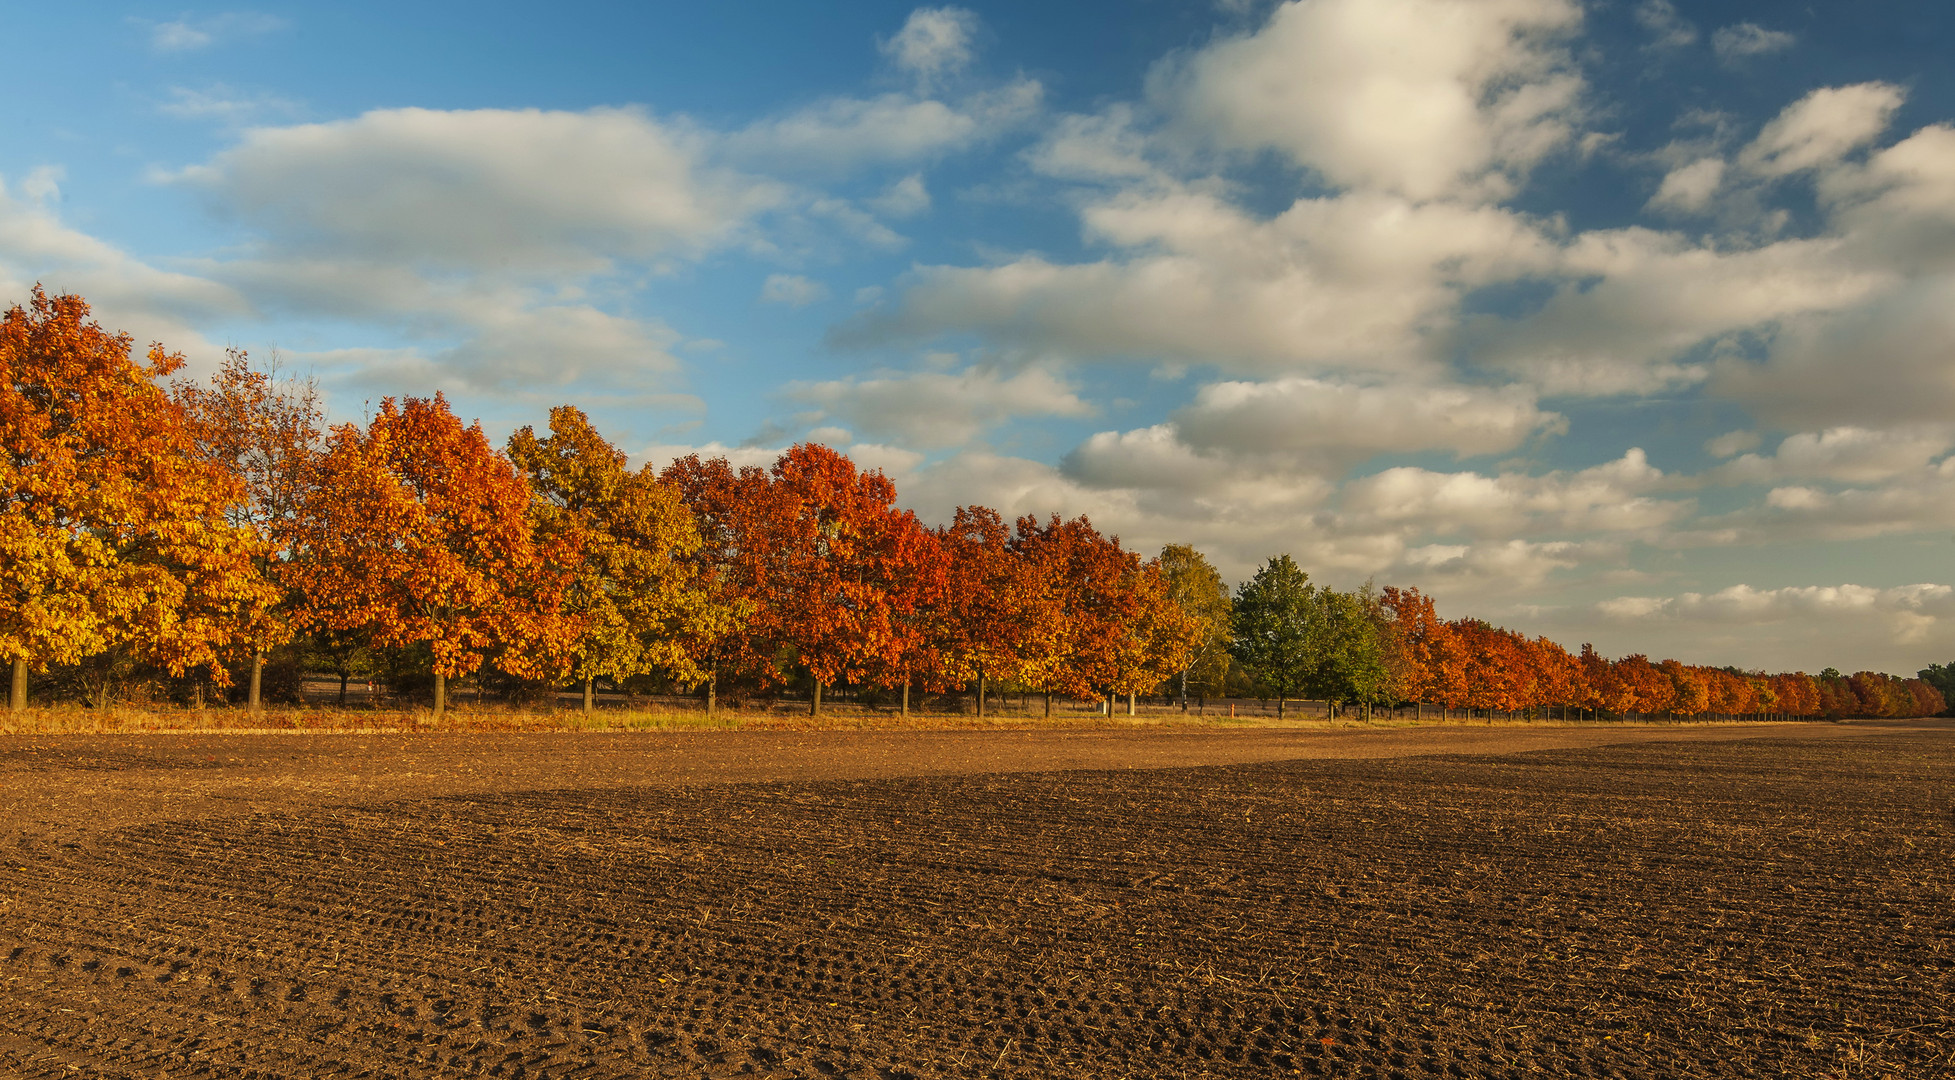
{"points": [[1611, 497], [1423, 98], [42, 184], [1304, 414], [1689, 188], [486, 189], [1746, 39], [127, 293], [898, 128], [190, 35], [1733, 443], [1909, 609], [1356, 281], [1300, 435], [1668, 30], [1636, 302], [1822, 127], [224, 105], [792, 290], [1852, 455], [1102, 146], [906, 197], [1881, 363], [934, 42], [939, 408]]}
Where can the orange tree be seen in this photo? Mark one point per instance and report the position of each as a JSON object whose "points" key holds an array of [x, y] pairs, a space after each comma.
{"points": [[1414, 645], [982, 623], [850, 568], [112, 526], [732, 564], [418, 532], [634, 597], [1087, 610], [835, 576]]}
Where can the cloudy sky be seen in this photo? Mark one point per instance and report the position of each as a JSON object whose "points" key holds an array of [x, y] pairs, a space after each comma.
{"points": [[1625, 322]]}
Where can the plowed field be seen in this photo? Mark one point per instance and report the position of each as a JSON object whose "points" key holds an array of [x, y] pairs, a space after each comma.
{"points": [[1774, 907]]}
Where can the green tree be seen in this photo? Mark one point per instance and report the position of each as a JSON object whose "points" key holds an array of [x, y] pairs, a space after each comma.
{"points": [[1197, 588], [1942, 678], [1350, 662], [1275, 627]]}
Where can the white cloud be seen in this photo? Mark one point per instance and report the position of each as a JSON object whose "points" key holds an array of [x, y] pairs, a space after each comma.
{"points": [[939, 408], [224, 105], [42, 184], [191, 35], [1880, 363], [1299, 432], [1746, 606], [845, 133], [1637, 301], [1103, 146], [1732, 443], [1852, 455], [489, 190], [792, 290], [1820, 128], [1746, 39], [1668, 30], [1611, 497], [934, 42], [177, 37], [125, 292], [1424, 98], [1689, 188], [906, 197], [1359, 280]]}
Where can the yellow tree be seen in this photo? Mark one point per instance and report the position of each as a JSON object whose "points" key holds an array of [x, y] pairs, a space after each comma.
{"points": [[265, 433], [418, 532], [112, 525], [635, 597], [1161, 637], [1198, 589]]}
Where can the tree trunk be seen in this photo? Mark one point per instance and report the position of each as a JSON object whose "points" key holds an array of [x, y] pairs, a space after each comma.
{"points": [[1048, 704], [980, 695], [712, 689], [440, 694], [1130, 703], [343, 677], [17, 698], [1279, 705], [1184, 689], [814, 703], [590, 694], [256, 702], [906, 697]]}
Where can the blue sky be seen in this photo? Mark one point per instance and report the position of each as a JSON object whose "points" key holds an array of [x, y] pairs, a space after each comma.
{"points": [[1627, 323]]}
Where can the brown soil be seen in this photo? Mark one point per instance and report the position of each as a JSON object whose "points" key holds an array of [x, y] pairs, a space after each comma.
{"points": [[982, 904]]}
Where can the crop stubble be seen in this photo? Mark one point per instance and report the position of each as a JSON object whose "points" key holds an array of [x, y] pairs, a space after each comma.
{"points": [[1765, 908]]}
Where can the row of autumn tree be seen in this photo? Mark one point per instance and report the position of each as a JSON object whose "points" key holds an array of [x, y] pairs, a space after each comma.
{"points": [[195, 529]]}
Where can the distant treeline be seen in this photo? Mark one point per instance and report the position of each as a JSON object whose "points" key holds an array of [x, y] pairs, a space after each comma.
{"points": [[182, 540]]}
